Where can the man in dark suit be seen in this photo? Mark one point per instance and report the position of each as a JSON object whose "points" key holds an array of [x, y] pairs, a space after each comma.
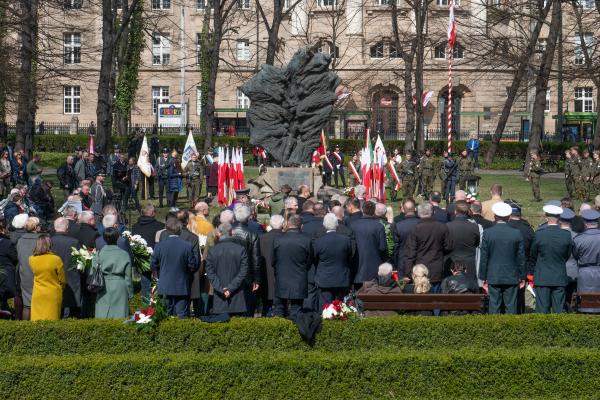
{"points": [[292, 257], [428, 243], [314, 224], [61, 246], [70, 213], [517, 222], [439, 214], [87, 230], [174, 263], [476, 210], [371, 245], [402, 229], [502, 262], [332, 255], [465, 238], [551, 249], [353, 210], [312, 229], [268, 273], [308, 211]]}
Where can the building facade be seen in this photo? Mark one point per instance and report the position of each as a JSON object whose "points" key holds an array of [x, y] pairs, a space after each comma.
{"points": [[356, 33]]}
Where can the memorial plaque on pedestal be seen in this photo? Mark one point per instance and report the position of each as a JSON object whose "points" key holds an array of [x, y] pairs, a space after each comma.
{"points": [[293, 176]]}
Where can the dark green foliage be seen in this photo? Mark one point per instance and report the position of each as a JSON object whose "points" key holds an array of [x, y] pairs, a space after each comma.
{"points": [[371, 334]]}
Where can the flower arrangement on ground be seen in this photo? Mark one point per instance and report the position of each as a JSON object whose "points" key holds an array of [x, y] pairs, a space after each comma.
{"points": [[142, 253], [82, 258], [471, 197], [148, 318], [340, 310]]}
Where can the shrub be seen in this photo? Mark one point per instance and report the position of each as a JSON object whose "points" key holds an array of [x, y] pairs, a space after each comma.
{"points": [[527, 373], [371, 334]]}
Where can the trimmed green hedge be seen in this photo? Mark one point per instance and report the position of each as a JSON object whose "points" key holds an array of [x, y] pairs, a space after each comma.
{"points": [[255, 335], [507, 150], [531, 373]]}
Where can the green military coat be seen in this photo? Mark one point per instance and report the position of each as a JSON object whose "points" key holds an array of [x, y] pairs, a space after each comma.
{"points": [[551, 248]]}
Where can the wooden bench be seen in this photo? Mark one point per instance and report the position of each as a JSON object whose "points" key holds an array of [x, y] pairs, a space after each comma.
{"points": [[423, 302], [585, 300]]}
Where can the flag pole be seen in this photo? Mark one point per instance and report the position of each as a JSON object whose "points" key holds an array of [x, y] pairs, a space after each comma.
{"points": [[451, 34]]}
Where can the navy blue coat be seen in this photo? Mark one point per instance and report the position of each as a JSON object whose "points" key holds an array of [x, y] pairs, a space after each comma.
{"points": [[332, 254], [401, 230], [175, 263], [371, 246], [502, 256], [292, 257], [174, 179]]}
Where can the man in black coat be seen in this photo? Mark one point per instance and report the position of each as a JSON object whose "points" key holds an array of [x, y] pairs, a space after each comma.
{"points": [[312, 229], [526, 230], [226, 268], [464, 235], [308, 211], [70, 213], [371, 244], [67, 177], [268, 273], [61, 246], [292, 257], [332, 256], [147, 227], [427, 244], [249, 240], [353, 208], [314, 224], [402, 229], [439, 214], [476, 210], [174, 263], [87, 233]]}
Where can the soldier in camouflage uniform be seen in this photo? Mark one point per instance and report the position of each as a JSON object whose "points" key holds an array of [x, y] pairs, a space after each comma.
{"points": [[465, 169], [408, 175], [535, 172], [194, 171], [427, 172], [587, 168], [578, 178], [569, 174], [596, 175]]}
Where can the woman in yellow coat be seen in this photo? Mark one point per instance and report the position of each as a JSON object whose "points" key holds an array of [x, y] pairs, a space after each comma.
{"points": [[48, 281]]}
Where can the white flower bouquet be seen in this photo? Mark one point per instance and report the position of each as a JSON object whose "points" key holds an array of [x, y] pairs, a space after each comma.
{"points": [[142, 253], [82, 258]]}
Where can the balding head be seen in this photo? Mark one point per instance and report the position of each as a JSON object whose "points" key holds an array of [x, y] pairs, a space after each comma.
{"points": [[380, 210], [61, 225], [201, 208], [87, 217], [460, 195], [226, 217], [408, 207], [339, 212]]}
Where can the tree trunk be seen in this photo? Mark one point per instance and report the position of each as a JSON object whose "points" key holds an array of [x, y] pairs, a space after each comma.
{"points": [[541, 82], [104, 107], [273, 31], [515, 85], [26, 103], [420, 15]]}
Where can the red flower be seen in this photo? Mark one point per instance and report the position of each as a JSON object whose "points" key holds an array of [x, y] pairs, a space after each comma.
{"points": [[395, 276], [148, 311]]}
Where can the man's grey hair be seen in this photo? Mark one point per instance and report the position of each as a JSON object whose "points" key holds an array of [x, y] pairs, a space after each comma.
{"points": [[380, 210], [360, 190], [173, 225], [70, 211], [242, 213], [110, 209], [338, 211], [385, 269], [425, 210], [20, 220], [276, 221], [109, 221], [330, 222], [61, 225], [148, 210], [86, 217], [224, 230], [226, 217], [289, 201]]}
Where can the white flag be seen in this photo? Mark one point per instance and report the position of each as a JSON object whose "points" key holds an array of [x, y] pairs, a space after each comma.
{"points": [[144, 159], [188, 150]]}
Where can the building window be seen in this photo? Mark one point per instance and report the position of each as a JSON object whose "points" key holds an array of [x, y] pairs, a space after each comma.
{"points": [[377, 50], [586, 4], [243, 50], [201, 4], [439, 52], [547, 105], [244, 4], [161, 4], [327, 3], [72, 99], [541, 45], [329, 49], [243, 102], [198, 100], [583, 99], [161, 49], [73, 4], [447, 2], [588, 37], [160, 94], [386, 2], [395, 52], [72, 48]]}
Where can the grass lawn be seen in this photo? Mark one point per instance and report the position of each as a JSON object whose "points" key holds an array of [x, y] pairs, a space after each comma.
{"points": [[515, 187]]}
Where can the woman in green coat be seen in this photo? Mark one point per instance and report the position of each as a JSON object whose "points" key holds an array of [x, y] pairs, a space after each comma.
{"points": [[113, 300]]}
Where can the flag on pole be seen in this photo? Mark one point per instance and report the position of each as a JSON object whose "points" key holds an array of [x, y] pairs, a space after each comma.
{"points": [[392, 167], [366, 161], [240, 169], [221, 189], [379, 170], [188, 150], [91, 145], [451, 25], [144, 159], [451, 41], [354, 171], [323, 152], [230, 176]]}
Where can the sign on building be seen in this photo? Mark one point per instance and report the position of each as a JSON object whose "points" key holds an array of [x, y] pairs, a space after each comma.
{"points": [[170, 115]]}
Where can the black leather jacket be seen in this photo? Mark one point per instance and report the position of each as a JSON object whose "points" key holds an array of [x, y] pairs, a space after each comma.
{"points": [[459, 284], [249, 240]]}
